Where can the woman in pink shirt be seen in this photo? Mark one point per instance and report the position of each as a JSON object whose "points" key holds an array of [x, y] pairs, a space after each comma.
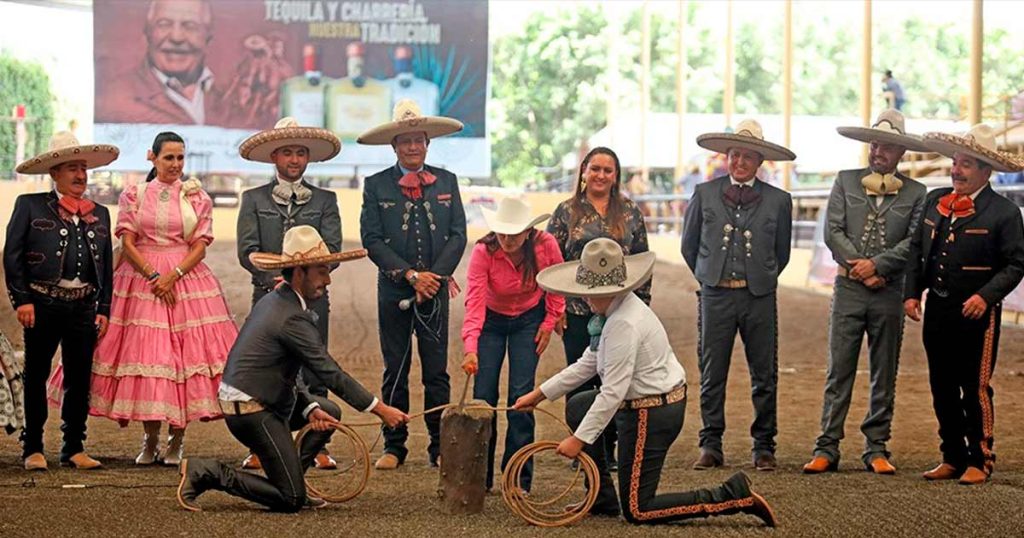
{"points": [[505, 310]]}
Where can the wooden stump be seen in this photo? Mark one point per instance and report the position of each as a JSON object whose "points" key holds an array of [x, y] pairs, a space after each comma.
{"points": [[464, 438]]}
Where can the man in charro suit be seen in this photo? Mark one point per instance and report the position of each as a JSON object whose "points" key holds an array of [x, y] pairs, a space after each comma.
{"points": [[58, 269], [872, 215], [967, 254], [269, 211], [414, 226], [736, 240]]}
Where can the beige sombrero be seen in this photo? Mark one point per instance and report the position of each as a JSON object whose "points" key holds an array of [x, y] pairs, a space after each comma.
{"points": [[408, 118], [979, 142], [322, 144], [512, 217], [302, 246], [887, 129], [602, 271], [748, 135], [64, 147]]}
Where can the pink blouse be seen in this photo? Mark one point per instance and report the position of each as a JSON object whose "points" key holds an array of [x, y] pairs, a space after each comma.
{"points": [[156, 219], [494, 283]]}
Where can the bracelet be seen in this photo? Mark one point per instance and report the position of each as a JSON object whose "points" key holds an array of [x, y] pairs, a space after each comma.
{"points": [[181, 274], [153, 276]]}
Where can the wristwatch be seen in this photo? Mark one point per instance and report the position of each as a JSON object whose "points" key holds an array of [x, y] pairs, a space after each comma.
{"points": [[413, 278]]}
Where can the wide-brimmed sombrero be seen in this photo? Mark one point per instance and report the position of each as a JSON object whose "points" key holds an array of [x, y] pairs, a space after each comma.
{"points": [[512, 217], [748, 135], [602, 271], [408, 118], [979, 142], [302, 246], [322, 144], [64, 147], [887, 129]]}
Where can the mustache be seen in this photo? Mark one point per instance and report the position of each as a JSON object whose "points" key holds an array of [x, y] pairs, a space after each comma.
{"points": [[172, 49]]}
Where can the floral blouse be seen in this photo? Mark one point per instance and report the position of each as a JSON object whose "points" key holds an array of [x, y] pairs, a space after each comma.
{"points": [[592, 226]]}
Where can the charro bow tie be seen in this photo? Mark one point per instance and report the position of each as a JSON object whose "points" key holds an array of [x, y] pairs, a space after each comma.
{"points": [[76, 206], [880, 185], [283, 192], [958, 205], [412, 183], [736, 196]]}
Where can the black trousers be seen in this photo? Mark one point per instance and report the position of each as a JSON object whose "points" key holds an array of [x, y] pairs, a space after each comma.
{"points": [[645, 436], [961, 358], [322, 308], [72, 326], [429, 321], [575, 340], [270, 438]]}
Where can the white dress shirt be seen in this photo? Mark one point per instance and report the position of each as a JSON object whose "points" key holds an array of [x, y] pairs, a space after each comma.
{"points": [[194, 107], [634, 360]]}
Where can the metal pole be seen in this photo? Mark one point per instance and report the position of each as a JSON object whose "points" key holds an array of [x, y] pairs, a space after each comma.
{"points": [[977, 44], [865, 77], [730, 79], [681, 63], [645, 89], [612, 101], [787, 91]]}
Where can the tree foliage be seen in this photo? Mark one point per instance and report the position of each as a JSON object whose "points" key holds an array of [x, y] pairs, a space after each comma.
{"points": [[24, 83]]}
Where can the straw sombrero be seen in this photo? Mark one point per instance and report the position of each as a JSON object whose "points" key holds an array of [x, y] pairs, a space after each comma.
{"points": [[64, 147], [302, 246], [512, 217], [602, 271], [408, 118], [979, 142], [322, 144], [748, 135], [887, 129]]}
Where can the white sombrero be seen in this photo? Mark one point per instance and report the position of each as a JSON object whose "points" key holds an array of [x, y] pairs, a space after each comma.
{"points": [[322, 144], [748, 135], [887, 129], [302, 246], [979, 142], [408, 118], [512, 217], [64, 147], [602, 271]]}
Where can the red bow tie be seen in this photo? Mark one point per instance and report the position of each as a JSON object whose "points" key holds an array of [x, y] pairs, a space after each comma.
{"points": [[76, 206], [412, 183], [958, 205]]}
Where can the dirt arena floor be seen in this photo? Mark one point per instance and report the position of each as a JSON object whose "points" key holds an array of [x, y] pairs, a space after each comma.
{"points": [[125, 500]]}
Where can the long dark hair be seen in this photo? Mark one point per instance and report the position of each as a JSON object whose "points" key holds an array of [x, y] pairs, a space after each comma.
{"points": [[616, 206], [529, 266], [158, 145]]}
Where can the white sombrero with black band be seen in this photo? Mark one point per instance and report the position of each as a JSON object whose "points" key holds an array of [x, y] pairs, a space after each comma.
{"points": [[64, 147], [887, 129], [979, 142], [748, 135], [322, 144], [302, 247], [408, 118], [602, 271]]}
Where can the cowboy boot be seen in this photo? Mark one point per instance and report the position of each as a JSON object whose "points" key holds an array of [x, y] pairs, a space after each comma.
{"points": [[175, 445], [150, 443]]}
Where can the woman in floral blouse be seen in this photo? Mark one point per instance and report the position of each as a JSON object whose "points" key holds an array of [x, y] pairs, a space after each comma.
{"points": [[596, 209]]}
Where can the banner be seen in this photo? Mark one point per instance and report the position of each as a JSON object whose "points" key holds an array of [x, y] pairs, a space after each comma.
{"points": [[217, 71]]}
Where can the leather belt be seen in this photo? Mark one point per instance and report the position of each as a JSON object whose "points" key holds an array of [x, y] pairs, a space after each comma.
{"points": [[61, 293], [675, 395], [842, 271], [240, 408], [731, 284]]}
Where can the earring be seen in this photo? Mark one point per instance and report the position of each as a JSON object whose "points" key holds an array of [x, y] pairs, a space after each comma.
{"points": [[583, 184]]}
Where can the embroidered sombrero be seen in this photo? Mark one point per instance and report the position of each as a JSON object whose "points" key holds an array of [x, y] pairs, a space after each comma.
{"points": [[887, 129], [979, 142], [748, 135], [602, 271], [408, 118], [322, 144], [302, 246], [64, 147]]}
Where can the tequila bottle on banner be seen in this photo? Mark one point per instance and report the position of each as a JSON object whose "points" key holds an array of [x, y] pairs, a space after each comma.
{"points": [[356, 103], [405, 86], [302, 97]]}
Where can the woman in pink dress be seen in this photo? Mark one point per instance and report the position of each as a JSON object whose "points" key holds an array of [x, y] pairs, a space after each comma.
{"points": [[170, 329]]}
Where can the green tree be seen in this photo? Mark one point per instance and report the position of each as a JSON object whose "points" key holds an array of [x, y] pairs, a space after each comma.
{"points": [[24, 83]]}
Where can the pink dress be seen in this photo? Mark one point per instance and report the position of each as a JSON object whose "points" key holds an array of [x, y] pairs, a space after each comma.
{"points": [[158, 362]]}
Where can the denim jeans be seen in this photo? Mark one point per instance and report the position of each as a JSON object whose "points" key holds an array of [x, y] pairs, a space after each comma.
{"points": [[514, 334]]}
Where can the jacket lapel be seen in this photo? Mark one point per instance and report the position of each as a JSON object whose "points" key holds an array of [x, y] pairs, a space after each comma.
{"points": [[980, 203]]}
